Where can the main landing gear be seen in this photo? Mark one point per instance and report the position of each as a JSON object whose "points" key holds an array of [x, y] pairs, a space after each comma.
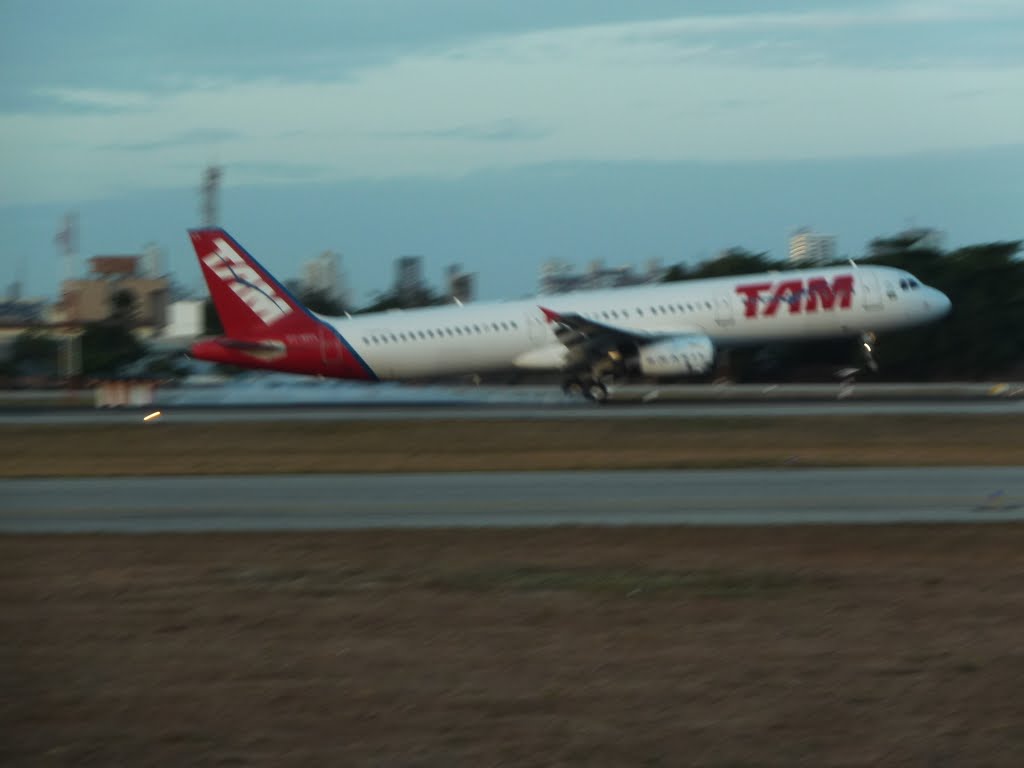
{"points": [[591, 389], [867, 350], [866, 353]]}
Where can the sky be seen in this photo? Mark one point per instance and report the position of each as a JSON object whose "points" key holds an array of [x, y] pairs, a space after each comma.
{"points": [[502, 135]]}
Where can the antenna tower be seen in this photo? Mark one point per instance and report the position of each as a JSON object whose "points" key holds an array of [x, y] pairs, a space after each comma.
{"points": [[210, 195], [67, 243]]}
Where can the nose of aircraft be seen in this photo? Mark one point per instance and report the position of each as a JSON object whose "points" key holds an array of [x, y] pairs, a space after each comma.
{"points": [[937, 303]]}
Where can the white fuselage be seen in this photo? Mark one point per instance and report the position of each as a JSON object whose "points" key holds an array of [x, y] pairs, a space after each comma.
{"points": [[731, 311]]}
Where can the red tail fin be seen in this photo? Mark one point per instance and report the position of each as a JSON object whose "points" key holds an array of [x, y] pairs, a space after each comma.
{"points": [[266, 326], [251, 304]]}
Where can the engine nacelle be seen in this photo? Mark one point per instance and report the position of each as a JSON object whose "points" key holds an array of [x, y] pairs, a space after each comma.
{"points": [[677, 356]]}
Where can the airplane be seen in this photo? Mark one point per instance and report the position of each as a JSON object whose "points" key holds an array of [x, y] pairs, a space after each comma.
{"points": [[594, 338]]}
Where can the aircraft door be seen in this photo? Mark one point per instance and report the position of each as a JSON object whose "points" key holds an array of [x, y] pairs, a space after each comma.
{"points": [[870, 288], [724, 309], [537, 326]]}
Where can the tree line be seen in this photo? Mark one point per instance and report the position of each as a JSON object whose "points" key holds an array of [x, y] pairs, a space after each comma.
{"points": [[981, 338]]}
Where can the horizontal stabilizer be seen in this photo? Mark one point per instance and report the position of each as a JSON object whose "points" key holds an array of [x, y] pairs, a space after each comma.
{"points": [[252, 346]]}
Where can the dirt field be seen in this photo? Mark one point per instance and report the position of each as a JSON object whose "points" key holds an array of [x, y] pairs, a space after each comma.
{"points": [[166, 447], [566, 647]]}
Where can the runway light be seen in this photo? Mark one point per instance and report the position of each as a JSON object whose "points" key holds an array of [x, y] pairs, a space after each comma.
{"points": [[153, 415]]}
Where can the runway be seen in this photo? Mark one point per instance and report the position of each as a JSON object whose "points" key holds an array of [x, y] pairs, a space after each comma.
{"points": [[557, 411], [512, 499]]}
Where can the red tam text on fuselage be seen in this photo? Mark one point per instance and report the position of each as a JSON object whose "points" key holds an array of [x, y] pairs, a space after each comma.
{"points": [[763, 299]]}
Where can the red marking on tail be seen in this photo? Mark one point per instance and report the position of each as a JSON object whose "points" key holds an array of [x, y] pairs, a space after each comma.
{"points": [[265, 325], [249, 301]]}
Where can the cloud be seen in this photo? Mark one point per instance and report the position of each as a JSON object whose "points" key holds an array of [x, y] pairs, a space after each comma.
{"points": [[499, 130], [98, 99], [269, 172], [650, 91], [836, 17], [189, 138]]}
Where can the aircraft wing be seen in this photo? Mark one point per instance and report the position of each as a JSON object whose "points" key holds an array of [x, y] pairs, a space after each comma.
{"points": [[574, 330], [604, 348]]}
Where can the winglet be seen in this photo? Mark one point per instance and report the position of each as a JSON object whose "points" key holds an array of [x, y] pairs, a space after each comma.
{"points": [[550, 315]]}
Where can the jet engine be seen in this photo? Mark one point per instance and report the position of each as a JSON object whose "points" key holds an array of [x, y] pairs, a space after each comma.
{"points": [[677, 356]]}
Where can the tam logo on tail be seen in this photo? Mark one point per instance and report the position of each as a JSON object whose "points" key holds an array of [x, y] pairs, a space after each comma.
{"points": [[246, 282], [264, 325]]}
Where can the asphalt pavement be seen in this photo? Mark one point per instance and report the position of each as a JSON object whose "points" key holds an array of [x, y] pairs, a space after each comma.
{"points": [[565, 410], [510, 499]]}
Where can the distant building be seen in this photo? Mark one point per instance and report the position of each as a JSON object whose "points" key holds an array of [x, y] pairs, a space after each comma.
{"points": [[408, 278], [809, 246], [184, 319], [915, 239], [23, 312], [324, 273], [16, 316], [559, 277], [459, 284], [92, 299]]}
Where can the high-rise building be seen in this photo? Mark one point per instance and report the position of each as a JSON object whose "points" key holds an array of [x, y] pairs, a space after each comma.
{"points": [[323, 273], [459, 284], [809, 246], [559, 277], [408, 278]]}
